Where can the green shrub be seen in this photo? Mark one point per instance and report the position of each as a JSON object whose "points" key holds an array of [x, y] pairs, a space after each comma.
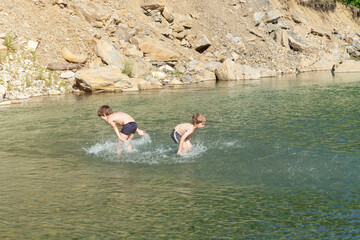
{"points": [[9, 42], [28, 82], [355, 3], [128, 68], [49, 80], [33, 54], [328, 5]]}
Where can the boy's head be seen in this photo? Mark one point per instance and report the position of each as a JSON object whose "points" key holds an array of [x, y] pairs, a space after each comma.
{"points": [[104, 110], [198, 120]]}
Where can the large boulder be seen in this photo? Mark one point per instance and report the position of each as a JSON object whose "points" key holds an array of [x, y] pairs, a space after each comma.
{"points": [[228, 71], [157, 51], [109, 78], [152, 5], [296, 42]]}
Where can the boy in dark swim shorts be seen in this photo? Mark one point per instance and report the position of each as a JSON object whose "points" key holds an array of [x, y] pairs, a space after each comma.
{"points": [[183, 132], [123, 119]]}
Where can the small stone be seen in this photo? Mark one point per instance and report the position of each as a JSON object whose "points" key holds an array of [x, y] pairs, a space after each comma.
{"points": [[32, 45], [67, 75], [202, 44]]}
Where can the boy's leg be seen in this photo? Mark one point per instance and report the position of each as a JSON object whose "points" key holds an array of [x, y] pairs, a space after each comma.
{"points": [[123, 138], [131, 136], [187, 146]]}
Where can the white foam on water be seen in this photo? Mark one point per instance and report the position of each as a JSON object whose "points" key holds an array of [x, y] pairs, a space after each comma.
{"points": [[197, 149], [102, 147], [144, 151]]}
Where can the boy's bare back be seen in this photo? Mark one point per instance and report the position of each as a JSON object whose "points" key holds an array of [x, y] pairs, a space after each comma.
{"points": [[184, 127], [120, 118]]}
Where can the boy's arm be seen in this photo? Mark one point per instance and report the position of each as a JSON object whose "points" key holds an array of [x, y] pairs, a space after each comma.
{"points": [[140, 132], [191, 135], [116, 130], [182, 140]]}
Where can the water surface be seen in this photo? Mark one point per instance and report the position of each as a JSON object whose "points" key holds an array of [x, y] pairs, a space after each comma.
{"points": [[278, 158]]}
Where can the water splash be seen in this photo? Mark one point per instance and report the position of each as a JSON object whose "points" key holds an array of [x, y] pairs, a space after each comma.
{"points": [[144, 151]]}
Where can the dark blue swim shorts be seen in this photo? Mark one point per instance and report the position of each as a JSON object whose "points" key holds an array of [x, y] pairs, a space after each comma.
{"points": [[129, 128], [175, 136]]}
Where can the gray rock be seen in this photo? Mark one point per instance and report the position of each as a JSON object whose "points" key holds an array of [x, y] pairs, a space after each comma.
{"points": [[107, 52], [356, 45], [168, 14], [152, 5], [89, 11], [258, 16], [202, 44], [67, 75], [281, 37], [319, 32], [296, 42], [167, 68], [281, 24], [273, 16]]}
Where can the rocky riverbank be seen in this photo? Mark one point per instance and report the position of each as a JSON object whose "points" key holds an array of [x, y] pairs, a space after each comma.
{"points": [[66, 46]]}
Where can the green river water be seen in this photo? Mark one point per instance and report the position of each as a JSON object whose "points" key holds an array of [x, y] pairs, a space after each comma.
{"points": [[277, 159]]}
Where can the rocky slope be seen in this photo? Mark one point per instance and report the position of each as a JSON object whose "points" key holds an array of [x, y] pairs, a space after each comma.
{"points": [[130, 45]]}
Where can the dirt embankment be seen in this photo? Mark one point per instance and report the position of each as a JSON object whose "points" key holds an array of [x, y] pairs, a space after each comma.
{"points": [[172, 42]]}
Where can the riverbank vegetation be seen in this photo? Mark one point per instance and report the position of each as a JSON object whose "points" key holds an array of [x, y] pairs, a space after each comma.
{"points": [[22, 76], [355, 3], [328, 5]]}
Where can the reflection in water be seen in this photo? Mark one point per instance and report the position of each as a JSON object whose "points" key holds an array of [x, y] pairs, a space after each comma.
{"points": [[278, 158]]}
